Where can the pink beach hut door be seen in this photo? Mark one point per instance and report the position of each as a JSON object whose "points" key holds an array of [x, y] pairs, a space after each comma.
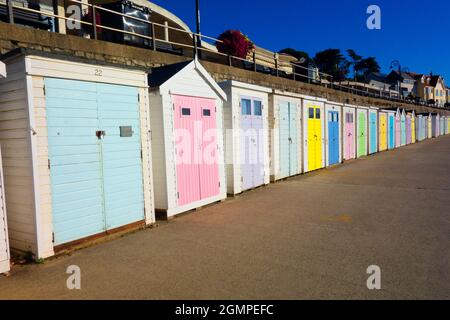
{"points": [[349, 136], [397, 131], [195, 138], [209, 160]]}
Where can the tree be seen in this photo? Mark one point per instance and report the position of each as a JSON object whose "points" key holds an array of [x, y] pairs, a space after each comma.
{"points": [[355, 60], [332, 62], [367, 66], [303, 61], [301, 56]]}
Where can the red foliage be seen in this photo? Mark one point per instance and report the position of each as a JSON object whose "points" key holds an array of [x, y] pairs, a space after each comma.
{"points": [[233, 42]]}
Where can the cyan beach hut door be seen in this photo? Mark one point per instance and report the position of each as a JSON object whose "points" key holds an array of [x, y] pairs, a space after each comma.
{"points": [[288, 139], [333, 137], [373, 131], [391, 131], [94, 157], [252, 152]]}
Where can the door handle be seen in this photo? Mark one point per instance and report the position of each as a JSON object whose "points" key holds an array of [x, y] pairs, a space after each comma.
{"points": [[100, 134]]}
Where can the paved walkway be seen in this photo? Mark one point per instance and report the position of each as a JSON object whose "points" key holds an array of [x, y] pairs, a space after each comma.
{"points": [[312, 236]]}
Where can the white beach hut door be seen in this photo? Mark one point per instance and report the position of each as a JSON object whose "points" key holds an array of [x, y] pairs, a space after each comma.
{"points": [[252, 138], [94, 157]]}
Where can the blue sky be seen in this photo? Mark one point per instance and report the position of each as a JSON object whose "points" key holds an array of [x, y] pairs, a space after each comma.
{"points": [[414, 32]]}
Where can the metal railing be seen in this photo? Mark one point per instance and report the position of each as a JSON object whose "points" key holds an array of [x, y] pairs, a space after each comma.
{"points": [[205, 53]]}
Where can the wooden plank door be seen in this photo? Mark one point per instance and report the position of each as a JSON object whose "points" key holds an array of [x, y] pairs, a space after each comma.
{"points": [[314, 138], [383, 132], [186, 115], [349, 135], [293, 139], [372, 132], [333, 137], [118, 110], [311, 139], [402, 130], [398, 132], [408, 129], [284, 136], [362, 134], [209, 151], [258, 129], [391, 132], [75, 160]]}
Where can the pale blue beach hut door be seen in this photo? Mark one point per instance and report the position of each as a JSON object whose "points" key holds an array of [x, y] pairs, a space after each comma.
{"points": [[94, 157], [288, 139]]}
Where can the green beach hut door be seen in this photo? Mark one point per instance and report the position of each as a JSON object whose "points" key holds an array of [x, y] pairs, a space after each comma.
{"points": [[94, 157], [362, 133]]}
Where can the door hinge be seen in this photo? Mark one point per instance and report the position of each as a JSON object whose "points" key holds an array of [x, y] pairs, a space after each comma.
{"points": [[173, 106], [242, 179], [43, 88], [53, 237], [219, 183], [178, 195], [139, 97], [141, 155], [48, 163]]}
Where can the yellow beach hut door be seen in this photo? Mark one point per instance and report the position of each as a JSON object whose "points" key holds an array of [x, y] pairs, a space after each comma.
{"points": [[314, 138]]}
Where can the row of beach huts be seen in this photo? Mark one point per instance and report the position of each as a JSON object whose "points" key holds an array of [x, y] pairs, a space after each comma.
{"points": [[89, 149]]}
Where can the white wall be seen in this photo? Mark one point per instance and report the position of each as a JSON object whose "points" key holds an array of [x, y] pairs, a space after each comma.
{"points": [[17, 162], [4, 241]]}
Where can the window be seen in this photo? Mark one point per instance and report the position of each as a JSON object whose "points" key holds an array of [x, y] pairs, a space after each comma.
{"points": [[317, 113], [206, 112], [311, 113], [257, 108], [185, 111], [336, 117], [246, 106], [349, 118]]}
